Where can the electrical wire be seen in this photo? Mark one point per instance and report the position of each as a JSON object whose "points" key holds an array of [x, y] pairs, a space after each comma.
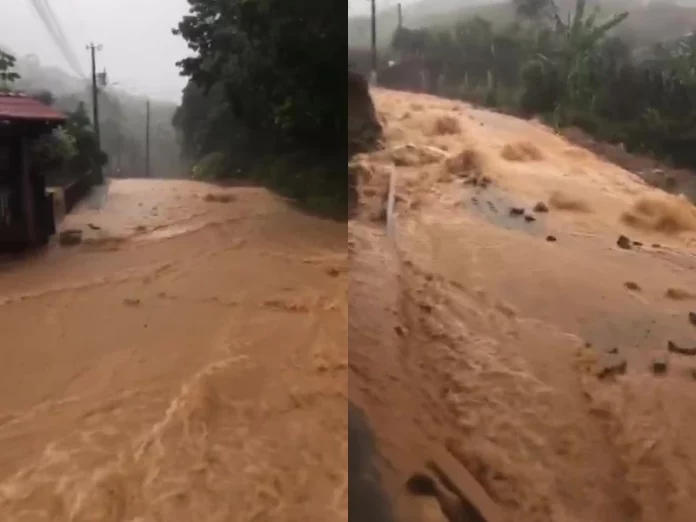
{"points": [[70, 55], [52, 25]]}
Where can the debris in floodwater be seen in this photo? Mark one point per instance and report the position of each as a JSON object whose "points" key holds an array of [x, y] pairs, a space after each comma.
{"points": [[219, 198], [632, 285], [659, 365], [70, 237], [623, 242], [611, 364], [674, 348]]}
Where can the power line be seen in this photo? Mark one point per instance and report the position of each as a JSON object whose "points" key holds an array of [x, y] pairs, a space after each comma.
{"points": [[52, 25], [61, 34], [56, 35]]}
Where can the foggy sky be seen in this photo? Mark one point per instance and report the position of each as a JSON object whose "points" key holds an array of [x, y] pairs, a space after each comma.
{"points": [[362, 7], [139, 50]]}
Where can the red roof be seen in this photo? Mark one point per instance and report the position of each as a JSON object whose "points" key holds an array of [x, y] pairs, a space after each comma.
{"points": [[22, 107]]}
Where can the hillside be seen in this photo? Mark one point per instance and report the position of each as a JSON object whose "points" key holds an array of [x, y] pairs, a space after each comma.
{"points": [[122, 117], [647, 24]]}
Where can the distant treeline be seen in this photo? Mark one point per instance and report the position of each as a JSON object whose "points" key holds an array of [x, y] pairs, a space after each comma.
{"points": [[571, 70]]}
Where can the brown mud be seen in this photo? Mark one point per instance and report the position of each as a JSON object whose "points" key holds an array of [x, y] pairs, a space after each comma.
{"points": [[489, 340]]}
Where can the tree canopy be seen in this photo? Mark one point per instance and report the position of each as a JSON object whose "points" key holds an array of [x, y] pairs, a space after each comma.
{"points": [[266, 80], [572, 68], [277, 63]]}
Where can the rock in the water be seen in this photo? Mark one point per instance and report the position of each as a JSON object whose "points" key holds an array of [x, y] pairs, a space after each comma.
{"points": [[611, 364], [70, 237], [541, 207], [623, 242], [659, 365], [632, 285]]}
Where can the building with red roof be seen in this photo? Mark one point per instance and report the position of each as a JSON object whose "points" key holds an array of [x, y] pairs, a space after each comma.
{"points": [[26, 211]]}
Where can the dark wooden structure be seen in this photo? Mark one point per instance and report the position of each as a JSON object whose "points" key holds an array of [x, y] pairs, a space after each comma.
{"points": [[26, 210]]}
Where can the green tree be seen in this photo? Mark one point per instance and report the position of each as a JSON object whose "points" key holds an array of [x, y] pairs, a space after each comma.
{"points": [[88, 155], [7, 73], [277, 62]]}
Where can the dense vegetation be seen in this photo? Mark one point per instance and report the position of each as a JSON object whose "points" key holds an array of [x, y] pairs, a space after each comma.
{"points": [[265, 83], [573, 71], [122, 117], [70, 151], [651, 21]]}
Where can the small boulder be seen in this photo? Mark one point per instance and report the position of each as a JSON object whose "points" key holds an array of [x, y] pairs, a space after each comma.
{"points": [[551, 239], [529, 218], [632, 285], [659, 365], [541, 207], [516, 211], [623, 242]]}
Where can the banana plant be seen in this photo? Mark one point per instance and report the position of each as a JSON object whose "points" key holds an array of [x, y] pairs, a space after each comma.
{"points": [[576, 38]]}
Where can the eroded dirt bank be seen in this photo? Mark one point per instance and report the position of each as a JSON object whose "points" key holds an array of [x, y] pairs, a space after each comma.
{"points": [[186, 362], [482, 326]]}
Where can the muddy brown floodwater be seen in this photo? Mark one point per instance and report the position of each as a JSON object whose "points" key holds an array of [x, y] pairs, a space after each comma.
{"points": [[483, 325], [187, 361]]}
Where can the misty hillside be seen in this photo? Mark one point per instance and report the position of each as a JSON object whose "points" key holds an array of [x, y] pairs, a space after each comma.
{"points": [[648, 22], [122, 117]]}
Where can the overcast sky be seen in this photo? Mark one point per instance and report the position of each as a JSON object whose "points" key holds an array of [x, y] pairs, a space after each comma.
{"points": [[362, 7], [139, 50]]}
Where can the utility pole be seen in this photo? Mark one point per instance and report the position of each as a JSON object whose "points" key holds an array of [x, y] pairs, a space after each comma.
{"points": [[147, 139], [95, 104], [400, 16], [373, 27]]}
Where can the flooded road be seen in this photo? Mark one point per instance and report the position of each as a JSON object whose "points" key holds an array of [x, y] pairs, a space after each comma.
{"points": [[187, 361], [484, 327]]}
